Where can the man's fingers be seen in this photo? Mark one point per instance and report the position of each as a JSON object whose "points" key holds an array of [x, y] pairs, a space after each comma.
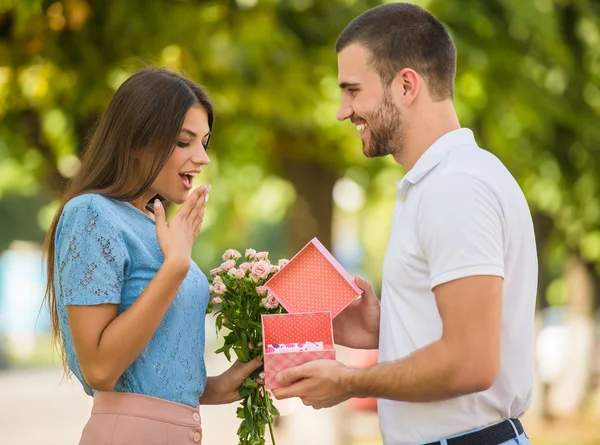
{"points": [[295, 375], [368, 295], [287, 392]]}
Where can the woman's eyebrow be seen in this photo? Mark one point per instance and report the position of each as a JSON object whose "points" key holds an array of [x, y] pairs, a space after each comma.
{"points": [[190, 132]]}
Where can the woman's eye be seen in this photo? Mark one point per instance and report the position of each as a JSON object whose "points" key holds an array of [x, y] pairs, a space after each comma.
{"points": [[353, 92], [183, 144], [205, 146]]}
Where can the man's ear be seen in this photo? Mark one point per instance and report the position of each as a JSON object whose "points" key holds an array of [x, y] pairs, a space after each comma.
{"points": [[406, 86]]}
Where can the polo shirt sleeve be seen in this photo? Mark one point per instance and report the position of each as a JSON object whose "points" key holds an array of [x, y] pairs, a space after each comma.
{"points": [[91, 258], [460, 229]]}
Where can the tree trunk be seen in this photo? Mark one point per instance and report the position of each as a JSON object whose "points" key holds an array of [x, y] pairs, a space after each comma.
{"points": [[312, 213], [543, 228], [570, 391]]}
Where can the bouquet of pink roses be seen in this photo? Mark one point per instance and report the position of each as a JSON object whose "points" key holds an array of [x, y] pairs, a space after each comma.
{"points": [[239, 298]]}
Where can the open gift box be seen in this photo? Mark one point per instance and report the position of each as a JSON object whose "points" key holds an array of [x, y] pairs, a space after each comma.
{"points": [[314, 288]]}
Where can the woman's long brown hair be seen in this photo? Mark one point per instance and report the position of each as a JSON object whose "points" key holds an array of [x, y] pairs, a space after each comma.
{"points": [[131, 143]]}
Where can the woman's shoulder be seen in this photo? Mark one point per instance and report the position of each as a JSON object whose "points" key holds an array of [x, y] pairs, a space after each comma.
{"points": [[89, 202], [90, 210]]}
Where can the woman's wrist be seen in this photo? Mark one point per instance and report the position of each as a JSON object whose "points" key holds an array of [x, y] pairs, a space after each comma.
{"points": [[177, 266]]}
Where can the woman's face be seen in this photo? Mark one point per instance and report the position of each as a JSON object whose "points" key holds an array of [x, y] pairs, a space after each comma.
{"points": [[175, 180]]}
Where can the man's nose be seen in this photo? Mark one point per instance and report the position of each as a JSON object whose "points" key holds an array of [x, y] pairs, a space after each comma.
{"points": [[344, 112]]}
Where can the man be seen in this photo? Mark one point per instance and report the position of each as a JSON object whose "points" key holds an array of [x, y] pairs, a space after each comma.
{"points": [[455, 329]]}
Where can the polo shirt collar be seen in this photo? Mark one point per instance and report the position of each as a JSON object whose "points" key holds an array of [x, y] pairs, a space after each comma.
{"points": [[436, 152]]}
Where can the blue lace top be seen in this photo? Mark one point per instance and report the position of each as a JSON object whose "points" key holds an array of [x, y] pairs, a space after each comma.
{"points": [[107, 252]]}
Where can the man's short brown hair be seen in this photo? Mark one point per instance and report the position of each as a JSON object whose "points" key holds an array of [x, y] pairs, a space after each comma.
{"points": [[403, 35]]}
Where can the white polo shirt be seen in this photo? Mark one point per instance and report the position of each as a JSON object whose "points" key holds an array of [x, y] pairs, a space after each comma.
{"points": [[458, 213]]}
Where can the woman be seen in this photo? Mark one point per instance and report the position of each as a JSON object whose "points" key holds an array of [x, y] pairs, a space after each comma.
{"points": [[125, 298]]}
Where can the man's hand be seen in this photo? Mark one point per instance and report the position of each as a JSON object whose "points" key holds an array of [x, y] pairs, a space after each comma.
{"points": [[357, 326], [320, 383], [225, 387]]}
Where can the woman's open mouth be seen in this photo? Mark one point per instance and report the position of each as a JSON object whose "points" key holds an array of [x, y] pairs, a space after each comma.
{"points": [[187, 179]]}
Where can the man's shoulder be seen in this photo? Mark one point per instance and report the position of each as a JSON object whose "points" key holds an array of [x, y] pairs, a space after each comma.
{"points": [[475, 166]]}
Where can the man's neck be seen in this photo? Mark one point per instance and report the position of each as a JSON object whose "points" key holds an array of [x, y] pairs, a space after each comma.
{"points": [[424, 130]]}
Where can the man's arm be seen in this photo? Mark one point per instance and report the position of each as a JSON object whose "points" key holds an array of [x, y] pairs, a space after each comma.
{"points": [[465, 360]]}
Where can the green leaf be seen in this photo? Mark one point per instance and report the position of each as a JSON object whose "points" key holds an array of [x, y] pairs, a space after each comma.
{"points": [[222, 349], [249, 383], [231, 339], [240, 323], [249, 425], [240, 413], [256, 325], [241, 354], [245, 392], [273, 410]]}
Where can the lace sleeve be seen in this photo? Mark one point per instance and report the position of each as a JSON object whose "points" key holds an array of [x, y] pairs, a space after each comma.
{"points": [[91, 258]]}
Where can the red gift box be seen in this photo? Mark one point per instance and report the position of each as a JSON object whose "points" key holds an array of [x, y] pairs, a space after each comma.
{"points": [[314, 288]]}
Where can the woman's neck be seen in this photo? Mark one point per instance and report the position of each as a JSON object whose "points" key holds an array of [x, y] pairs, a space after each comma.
{"points": [[141, 203]]}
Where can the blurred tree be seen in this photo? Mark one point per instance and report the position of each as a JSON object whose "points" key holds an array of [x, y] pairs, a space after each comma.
{"points": [[269, 67], [527, 83]]}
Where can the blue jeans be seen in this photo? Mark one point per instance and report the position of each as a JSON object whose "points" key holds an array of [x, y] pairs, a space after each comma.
{"points": [[520, 440]]}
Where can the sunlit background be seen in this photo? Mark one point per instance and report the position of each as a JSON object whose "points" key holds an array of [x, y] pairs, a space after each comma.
{"points": [[284, 170]]}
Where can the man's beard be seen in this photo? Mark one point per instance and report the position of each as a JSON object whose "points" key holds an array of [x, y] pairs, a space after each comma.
{"points": [[386, 130]]}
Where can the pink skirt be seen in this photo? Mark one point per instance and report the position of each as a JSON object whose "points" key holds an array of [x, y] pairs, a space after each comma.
{"points": [[120, 418]]}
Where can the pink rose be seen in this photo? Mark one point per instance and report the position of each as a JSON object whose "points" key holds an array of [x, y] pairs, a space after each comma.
{"points": [[219, 288], [283, 263], [274, 269], [270, 302], [245, 266], [261, 290], [217, 300], [231, 254], [215, 272], [240, 274], [261, 269], [217, 280], [250, 254], [225, 320], [261, 256], [232, 272], [228, 264]]}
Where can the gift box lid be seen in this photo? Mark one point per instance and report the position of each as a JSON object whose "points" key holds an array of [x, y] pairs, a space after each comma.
{"points": [[313, 281]]}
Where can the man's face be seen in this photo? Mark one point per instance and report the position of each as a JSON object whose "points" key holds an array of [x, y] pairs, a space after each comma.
{"points": [[368, 104]]}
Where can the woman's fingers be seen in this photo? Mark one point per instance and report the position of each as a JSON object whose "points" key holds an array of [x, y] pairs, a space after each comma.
{"points": [[159, 215], [197, 224], [198, 205], [190, 202]]}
